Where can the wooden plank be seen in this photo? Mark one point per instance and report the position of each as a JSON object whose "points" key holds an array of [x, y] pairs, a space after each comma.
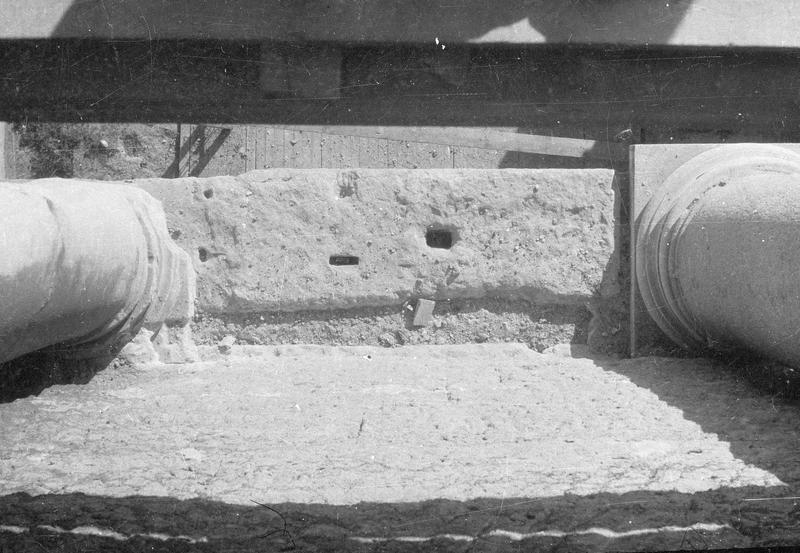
{"points": [[340, 152], [257, 134], [721, 23], [310, 71], [264, 147], [273, 149], [6, 151], [478, 158], [37, 102], [373, 153], [225, 152], [315, 72], [483, 138], [186, 146], [273, 74], [522, 160], [251, 146], [302, 149], [419, 155], [212, 150]]}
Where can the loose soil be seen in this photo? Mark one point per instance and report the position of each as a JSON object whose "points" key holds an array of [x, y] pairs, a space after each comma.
{"points": [[454, 322]]}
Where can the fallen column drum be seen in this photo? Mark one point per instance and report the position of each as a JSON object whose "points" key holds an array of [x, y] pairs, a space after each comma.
{"points": [[718, 251], [84, 265]]}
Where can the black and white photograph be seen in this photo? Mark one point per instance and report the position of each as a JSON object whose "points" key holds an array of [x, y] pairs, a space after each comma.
{"points": [[399, 276]]}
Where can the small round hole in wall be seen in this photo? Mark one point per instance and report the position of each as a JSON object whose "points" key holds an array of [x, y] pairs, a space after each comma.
{"points": [[208, 193], [202, 253], [439, 238]]}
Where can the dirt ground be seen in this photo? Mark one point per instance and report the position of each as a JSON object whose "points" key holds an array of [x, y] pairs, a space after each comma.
{"points": [[455, 322], [481, 447]]}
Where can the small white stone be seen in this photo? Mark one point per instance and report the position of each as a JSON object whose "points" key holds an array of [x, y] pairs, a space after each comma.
{"points": [[225, 345], [191, 454]]}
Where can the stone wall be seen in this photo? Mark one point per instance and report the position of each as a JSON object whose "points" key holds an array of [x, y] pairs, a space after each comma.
{"points": [[535, 255], [288, 240]]}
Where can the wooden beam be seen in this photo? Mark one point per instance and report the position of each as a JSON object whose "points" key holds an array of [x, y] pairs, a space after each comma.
{"points": [[310, 72], [6, 150], [487, 139]]}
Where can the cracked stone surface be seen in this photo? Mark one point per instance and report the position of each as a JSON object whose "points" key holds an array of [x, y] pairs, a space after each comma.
{"points": [[403, 433], [342, 425]]}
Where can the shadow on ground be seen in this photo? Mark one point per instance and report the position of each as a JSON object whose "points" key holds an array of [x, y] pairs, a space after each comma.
{"points": [[631, 521], [750, 403], [32, 373]]}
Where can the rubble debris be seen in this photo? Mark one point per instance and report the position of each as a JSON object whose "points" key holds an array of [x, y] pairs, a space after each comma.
{"points": [[403, 336], [226, 344], [387, 340], [140, 349]]}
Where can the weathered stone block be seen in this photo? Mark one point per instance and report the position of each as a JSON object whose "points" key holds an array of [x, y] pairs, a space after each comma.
{"points": [[264, 240]]}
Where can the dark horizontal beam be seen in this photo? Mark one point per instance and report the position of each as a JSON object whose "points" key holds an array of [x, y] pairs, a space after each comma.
{"points": [[573, 93], [396, 112]]}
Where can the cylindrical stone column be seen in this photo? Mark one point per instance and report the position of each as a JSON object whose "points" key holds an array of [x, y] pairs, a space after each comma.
{"points": [[83, 266], [718, 252]]}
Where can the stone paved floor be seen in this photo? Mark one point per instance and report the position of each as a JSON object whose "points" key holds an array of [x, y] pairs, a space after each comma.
{"points": [[470, 446]]}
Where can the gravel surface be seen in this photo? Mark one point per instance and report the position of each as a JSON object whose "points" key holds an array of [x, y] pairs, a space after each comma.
{"points": [[453, 322]]}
